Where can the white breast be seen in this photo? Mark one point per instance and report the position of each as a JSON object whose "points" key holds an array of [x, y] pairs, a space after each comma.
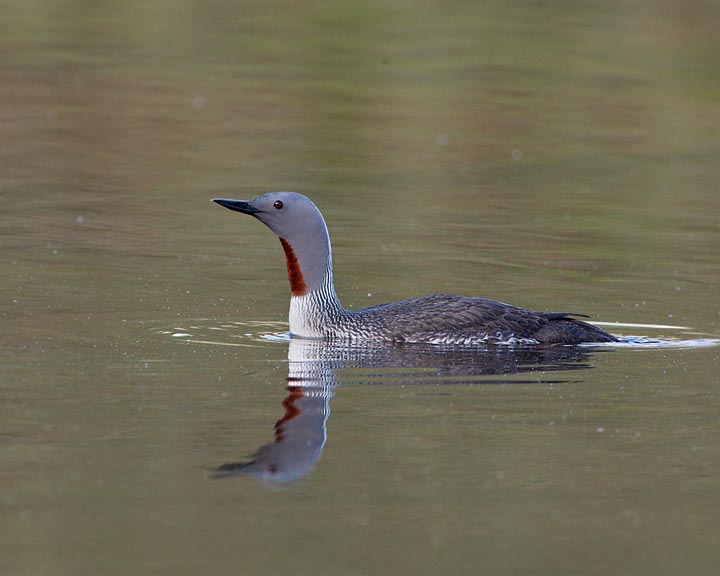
{"points": [[303, 317]]}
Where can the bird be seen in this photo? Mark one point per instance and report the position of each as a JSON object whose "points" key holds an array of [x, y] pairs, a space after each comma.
{"points": [[441, 319]]}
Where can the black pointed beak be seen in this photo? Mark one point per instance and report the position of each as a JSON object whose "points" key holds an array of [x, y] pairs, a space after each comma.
{"points": [[237, 205]]}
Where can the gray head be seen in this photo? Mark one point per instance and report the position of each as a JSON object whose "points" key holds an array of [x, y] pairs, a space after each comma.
{"points": [[302, 231]]}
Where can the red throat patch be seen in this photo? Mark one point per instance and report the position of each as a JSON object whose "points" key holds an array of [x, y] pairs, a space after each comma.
{"points": [[297, 282]]}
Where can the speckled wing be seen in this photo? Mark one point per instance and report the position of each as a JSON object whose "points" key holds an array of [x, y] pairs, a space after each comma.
{"points": [[446, 319]]}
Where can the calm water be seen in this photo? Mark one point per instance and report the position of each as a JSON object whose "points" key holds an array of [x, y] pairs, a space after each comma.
{"points": [[153, 420]]}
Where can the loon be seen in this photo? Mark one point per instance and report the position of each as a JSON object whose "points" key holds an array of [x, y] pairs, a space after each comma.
{"points": [[316, 311]]}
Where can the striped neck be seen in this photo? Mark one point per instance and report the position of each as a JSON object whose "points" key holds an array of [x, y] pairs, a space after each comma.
{"points": [[317, 313], [315, 309]]}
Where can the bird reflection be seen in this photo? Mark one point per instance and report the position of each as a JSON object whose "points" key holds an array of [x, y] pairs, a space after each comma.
{"points": [[316, 367]]}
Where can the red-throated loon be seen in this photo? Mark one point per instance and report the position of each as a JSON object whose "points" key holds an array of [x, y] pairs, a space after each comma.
{"points": [[316, 311]]}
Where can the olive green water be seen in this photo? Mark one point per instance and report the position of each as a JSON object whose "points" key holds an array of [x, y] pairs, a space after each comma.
{"points": [[558, 156]]}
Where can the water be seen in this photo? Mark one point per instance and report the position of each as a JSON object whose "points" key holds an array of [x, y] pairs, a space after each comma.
{"points": [[557, 157]]}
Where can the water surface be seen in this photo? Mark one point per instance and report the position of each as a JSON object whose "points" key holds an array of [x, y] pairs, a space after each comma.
{"points": [[557, 157]]}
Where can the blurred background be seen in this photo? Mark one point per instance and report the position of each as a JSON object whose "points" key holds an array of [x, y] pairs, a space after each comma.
{"points": [[576, 136]]}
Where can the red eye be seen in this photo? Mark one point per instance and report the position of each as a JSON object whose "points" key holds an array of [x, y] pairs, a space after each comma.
{"points": [[278, 204]]}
